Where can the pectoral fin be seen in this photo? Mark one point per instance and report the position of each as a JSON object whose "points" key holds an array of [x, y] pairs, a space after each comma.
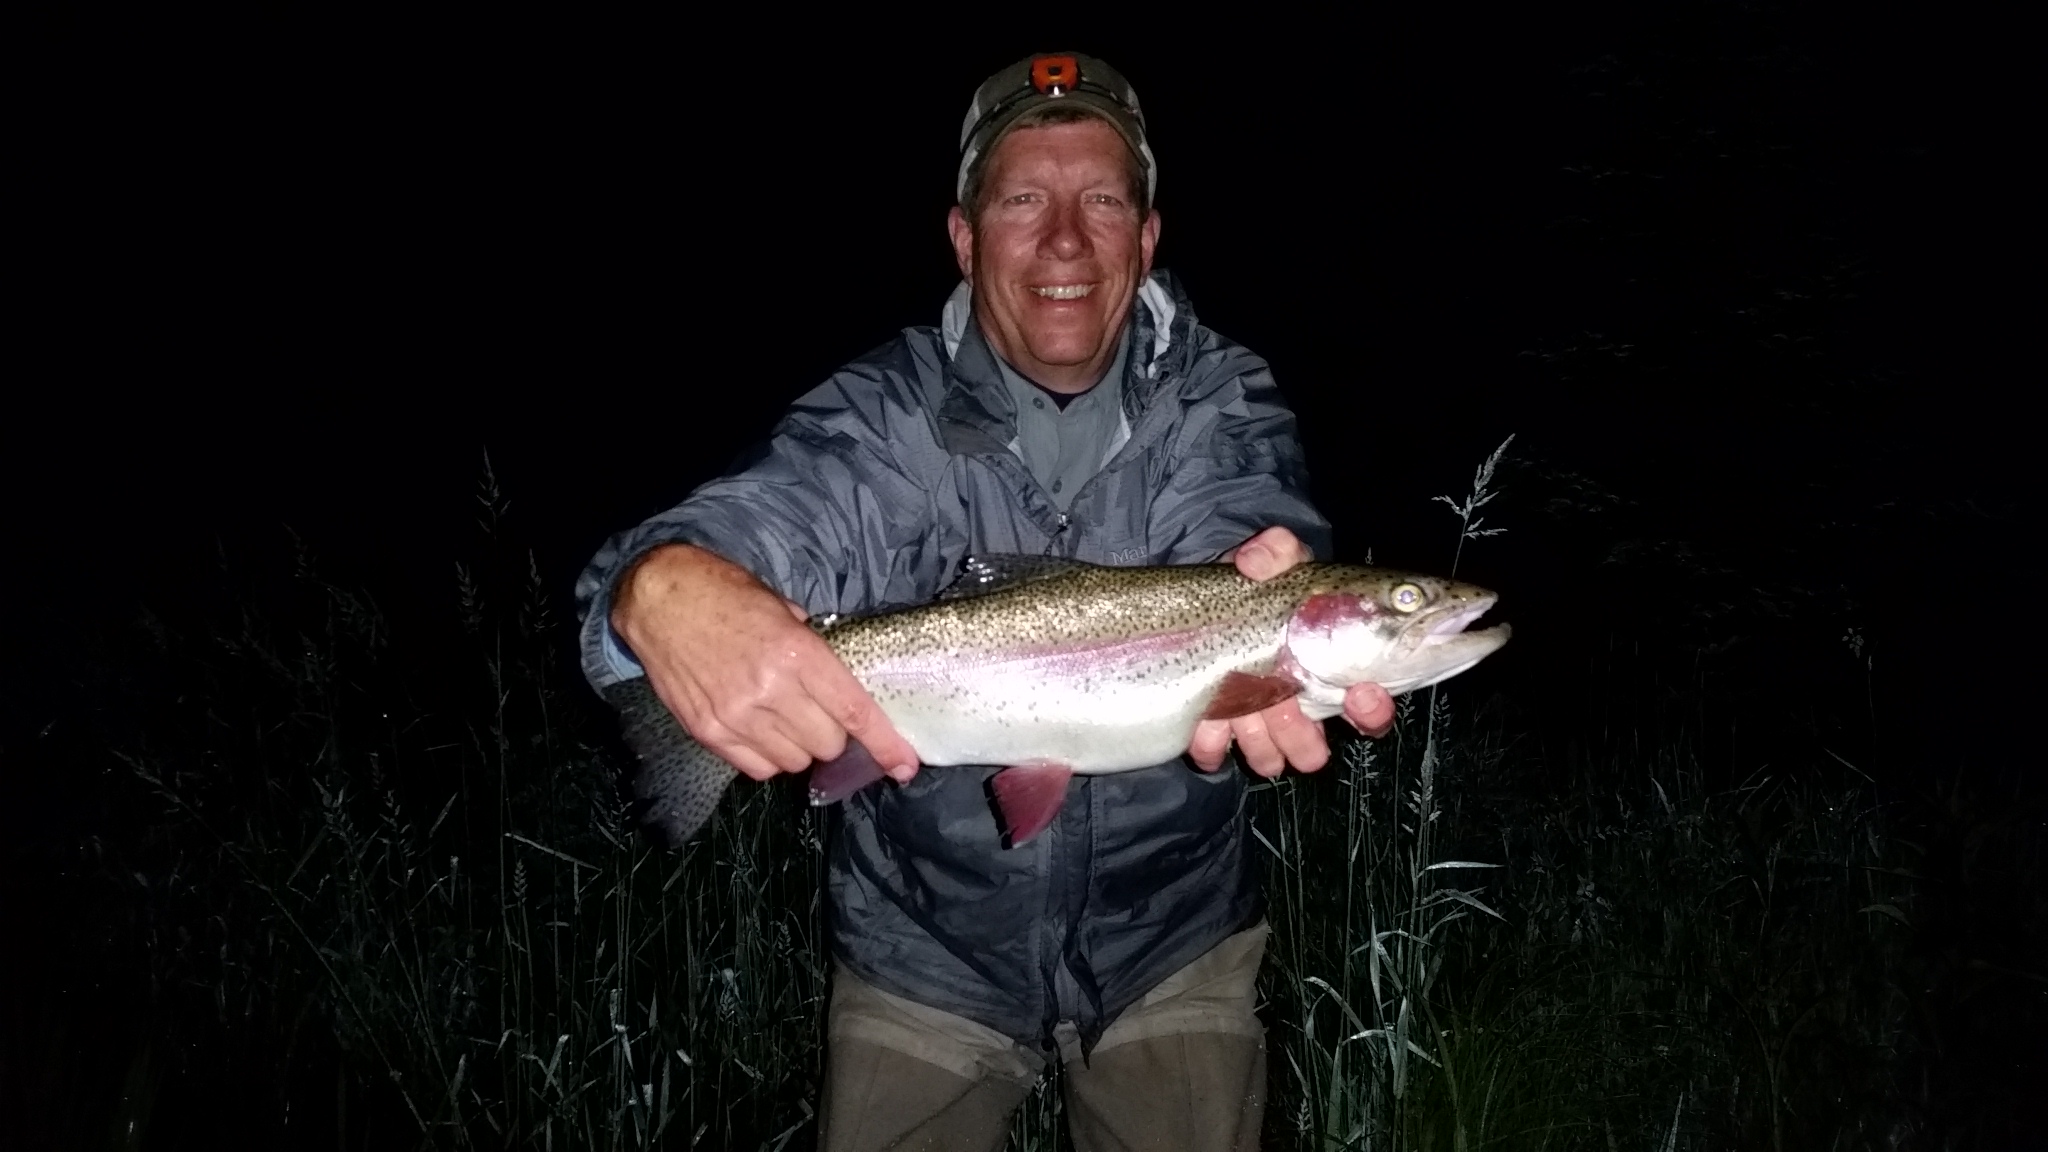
{"points": [[834, 780], [1029, 797], [1243, 694]]}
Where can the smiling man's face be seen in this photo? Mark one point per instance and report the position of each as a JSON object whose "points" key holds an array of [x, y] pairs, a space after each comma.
{"points": [[1058, 251]]}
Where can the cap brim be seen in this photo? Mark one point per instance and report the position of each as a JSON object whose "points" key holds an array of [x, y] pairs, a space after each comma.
{"points": [[1102, 107]]}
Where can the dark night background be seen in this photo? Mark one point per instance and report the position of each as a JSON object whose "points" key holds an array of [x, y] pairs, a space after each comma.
{"points": [[1747, 282]]}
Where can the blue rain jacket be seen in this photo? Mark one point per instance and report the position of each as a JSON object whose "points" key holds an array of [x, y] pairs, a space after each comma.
{"points": [[870, 493]]}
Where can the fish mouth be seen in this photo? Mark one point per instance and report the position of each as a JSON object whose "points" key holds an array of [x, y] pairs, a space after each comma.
{"points": [[1440, 647], [1451, 624]]}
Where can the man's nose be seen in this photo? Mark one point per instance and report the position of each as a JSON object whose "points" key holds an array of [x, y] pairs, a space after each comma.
{"points": [[1064, 238]]}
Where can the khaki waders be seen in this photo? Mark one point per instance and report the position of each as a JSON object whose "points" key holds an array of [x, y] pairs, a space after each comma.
{"points": [[1182, 1070]]}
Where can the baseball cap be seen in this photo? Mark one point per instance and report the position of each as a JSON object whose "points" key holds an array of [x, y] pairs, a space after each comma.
{"points": [[1048, 78]]}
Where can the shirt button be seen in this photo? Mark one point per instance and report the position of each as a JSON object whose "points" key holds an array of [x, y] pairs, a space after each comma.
{"points": [[1056, 485], [1038, 402]]}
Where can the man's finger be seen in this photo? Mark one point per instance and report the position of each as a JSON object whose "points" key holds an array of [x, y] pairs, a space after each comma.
{"points": [[810, 727], [852, 711], [756, 742], [1212, 740], [692, 709], [786, 754], [1256, 746], [1369, 709], [1269, 553], [1298, 738], [749, 763]]}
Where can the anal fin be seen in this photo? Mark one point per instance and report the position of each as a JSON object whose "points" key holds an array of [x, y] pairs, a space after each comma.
{"points": [[1242, 694], [1029, 797], [836, 779]]}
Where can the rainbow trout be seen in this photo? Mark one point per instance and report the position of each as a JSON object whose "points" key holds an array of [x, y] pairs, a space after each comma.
{"points": [[1053, 667]]}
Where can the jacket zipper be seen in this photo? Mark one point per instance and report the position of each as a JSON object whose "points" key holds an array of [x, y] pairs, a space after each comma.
{"points": [[1055, 543], [1052, 930]]}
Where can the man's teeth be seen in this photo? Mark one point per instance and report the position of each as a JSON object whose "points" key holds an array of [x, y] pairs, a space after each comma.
{"points": [[1064, 291]]}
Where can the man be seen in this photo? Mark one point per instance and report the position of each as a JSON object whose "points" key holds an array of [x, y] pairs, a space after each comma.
{"points": [[1068, 405]]}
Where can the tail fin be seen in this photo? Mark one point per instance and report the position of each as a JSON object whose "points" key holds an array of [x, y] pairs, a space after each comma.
{"points": [[677, 783]]}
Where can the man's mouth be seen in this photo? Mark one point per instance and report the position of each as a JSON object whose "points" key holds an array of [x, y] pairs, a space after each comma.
{"points": [[1063, 291]]}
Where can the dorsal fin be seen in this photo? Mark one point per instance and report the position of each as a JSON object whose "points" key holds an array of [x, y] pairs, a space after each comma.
{"points": [[981, 575]]}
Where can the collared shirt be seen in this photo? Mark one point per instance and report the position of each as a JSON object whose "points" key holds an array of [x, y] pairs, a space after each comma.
{"points": [[1065, 448]]}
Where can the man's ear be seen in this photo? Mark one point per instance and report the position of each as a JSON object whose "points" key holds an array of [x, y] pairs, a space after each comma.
{"points": [[963, 242], [1148, 239]]}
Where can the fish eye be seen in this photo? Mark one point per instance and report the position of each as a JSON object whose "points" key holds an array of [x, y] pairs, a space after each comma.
{"points": [[1406, 597]]}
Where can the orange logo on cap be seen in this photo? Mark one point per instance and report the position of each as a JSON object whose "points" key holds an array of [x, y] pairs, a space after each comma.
{"points": [[1055, 75]]}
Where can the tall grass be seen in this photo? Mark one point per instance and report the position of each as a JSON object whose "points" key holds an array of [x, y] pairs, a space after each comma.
{"points": [[1473, 947], [458, 902], [1622, 959], [1646, 963]]}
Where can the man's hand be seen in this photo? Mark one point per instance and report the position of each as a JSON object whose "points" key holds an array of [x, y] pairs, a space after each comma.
{"points": [[1278, 736], [739, 667]]}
